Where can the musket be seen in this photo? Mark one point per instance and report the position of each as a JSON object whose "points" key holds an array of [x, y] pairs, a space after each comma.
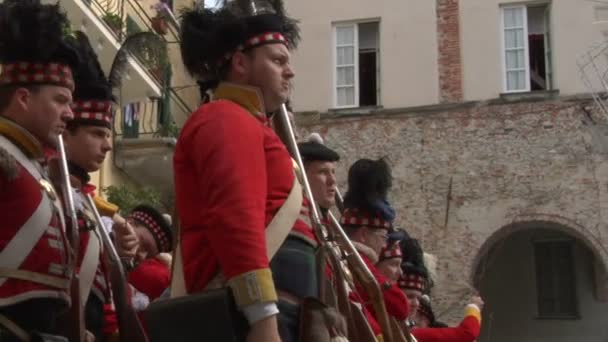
{"points": [[129, 326], [359, 329], [401, 332], [362, 272], [74, 324]]}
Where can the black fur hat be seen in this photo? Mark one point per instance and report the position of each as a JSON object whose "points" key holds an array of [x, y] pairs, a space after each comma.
{"points": [[209, 37], [415, 274], [93, 94], [154, 221], [368, 184], [33, 46]]}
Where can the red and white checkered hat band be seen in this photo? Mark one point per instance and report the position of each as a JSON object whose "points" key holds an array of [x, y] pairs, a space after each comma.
{"points": [[37, 73], [93, 110], [264, 38], [362, 218], [159, 234], [392, 251], [261, 39], [412, 282]]}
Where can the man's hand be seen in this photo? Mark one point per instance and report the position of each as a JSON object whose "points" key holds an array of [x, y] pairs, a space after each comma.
{"points": [[126, 240], [265, 330]]}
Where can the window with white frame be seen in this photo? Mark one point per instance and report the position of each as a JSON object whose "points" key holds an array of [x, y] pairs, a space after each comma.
{"points": [[526, 48], [356, 64]]}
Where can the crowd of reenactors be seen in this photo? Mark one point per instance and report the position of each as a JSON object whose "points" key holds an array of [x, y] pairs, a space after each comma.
{"points": [[262, 248]]}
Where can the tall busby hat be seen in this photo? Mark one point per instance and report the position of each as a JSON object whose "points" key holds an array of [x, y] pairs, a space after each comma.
{"points": [[365, 202], [93, 97], [415, 274], [33, 49], [314, 149], [209, 37], [158, 225]]}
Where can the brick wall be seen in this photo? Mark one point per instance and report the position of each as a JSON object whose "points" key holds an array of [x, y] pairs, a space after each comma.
{"points": [[510, 164], [449, 60]]}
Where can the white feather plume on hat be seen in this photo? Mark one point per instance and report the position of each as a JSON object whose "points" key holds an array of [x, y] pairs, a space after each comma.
{"points": [[430, 261], [315, 137]]}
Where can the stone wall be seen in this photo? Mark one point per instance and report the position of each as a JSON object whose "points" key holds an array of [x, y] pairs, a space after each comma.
{"points": [[508, 162]]}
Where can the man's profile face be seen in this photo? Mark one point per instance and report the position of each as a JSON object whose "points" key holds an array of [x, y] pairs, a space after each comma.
{"points": [[46, 111], [322, 178], [269, 70]]}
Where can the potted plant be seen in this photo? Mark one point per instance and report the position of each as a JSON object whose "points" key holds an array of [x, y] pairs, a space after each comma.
{"points": [[128, 197], [150, 50], [156, 59], [159, 22], [114, 21]]}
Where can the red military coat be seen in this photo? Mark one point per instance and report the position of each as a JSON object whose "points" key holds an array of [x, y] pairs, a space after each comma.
{"points": [[355, 298], [467, 331], [396, 303], [369, 317], [151, 277], [232, 174], [32, 238]]}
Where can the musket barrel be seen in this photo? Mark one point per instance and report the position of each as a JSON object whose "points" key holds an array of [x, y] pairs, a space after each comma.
{"points": [[130, 329], [76, 328], [357, 263], [292, 146]]}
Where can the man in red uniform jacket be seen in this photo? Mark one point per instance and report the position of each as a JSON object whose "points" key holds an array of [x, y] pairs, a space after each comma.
{"points": [[36, 87], [415, 282], [429, 330], [87, 142], [151, 276], [233, 173], [320, 166], [389, 261], [367, 219]]}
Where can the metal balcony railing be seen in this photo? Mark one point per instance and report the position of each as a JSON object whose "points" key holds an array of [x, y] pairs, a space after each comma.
{"points": [[153, 117]]}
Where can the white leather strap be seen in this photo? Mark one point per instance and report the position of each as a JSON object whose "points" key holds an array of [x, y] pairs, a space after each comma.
{"points": [[89, 265], [283, 220], [34, 277]]}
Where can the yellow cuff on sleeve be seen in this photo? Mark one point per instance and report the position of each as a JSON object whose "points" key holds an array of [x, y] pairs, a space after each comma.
{"points": [[253, 288], [472, 310], [379, 338]]}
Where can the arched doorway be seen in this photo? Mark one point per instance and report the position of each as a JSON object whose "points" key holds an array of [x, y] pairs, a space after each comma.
{"points": [[542, 281]]}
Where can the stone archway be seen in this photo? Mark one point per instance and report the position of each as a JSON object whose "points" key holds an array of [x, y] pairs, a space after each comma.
{"points": [[507, 271], [522, 222]]}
